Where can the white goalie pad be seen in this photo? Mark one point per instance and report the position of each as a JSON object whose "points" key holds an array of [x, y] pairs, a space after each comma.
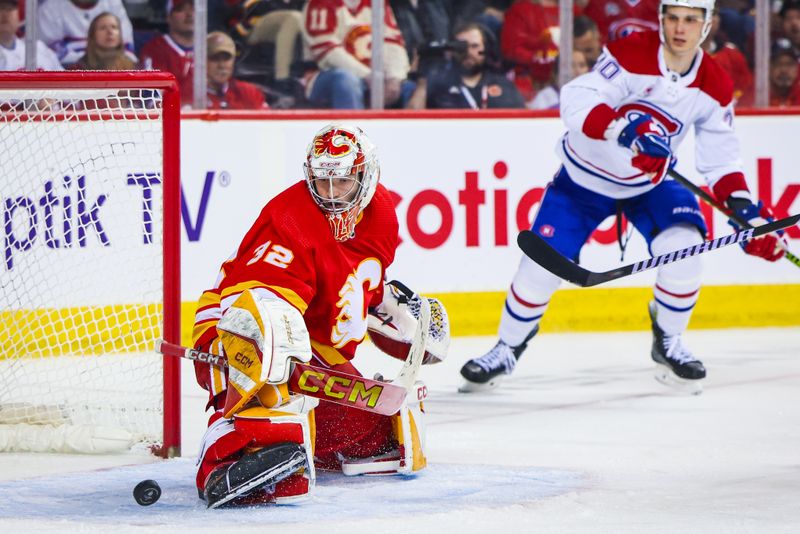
{"points": [[274, 327], [392, 323]]}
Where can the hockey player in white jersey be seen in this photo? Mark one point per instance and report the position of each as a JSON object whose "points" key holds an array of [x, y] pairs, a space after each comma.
{"points": [[624, 121]]}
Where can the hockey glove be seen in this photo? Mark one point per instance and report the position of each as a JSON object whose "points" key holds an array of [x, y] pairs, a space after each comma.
{"points": [[652, 154], [769, 246]]}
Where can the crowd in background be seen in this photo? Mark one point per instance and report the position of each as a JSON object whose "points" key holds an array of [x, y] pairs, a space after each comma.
{"points": [[438, 54]]}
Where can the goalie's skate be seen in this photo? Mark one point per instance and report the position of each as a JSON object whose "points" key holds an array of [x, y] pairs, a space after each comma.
{"points": [[252, 471], [675, 365]]}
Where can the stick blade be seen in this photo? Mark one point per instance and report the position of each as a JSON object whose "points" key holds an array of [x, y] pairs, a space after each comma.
{"points": [[542, 253]]}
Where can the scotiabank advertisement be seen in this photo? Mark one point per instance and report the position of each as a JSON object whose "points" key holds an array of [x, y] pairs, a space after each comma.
{"points": [[464, 187]]}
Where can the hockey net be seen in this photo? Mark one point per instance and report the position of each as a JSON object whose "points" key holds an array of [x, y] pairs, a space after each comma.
{"points": [[89, 193]]}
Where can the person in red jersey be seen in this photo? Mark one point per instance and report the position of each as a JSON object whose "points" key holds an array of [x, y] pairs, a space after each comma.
{"points": [[619, 18], [784, 82], [308, 275], [225, 91], [174, 51]]}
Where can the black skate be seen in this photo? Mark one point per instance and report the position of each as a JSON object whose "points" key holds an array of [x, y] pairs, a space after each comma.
{"points": [[252, 471], [486, 372], [675, 365]]}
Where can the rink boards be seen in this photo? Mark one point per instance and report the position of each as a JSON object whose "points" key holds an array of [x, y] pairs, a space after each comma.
{"points": [[463, 188]]}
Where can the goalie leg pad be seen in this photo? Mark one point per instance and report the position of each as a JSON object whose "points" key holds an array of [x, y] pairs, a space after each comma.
{"points": [[228, 442], [260, 334]]}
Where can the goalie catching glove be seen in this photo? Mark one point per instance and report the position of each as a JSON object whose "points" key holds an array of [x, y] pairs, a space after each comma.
{"points": [[391, 324]]}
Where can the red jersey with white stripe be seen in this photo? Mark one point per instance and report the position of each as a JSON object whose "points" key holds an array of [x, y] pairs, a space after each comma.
{"points": [[340, 36], [632, 78], [163, 53], [290, 252]]}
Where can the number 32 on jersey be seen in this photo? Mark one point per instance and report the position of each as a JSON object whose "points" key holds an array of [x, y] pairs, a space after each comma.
{"points": [[276, 255]]}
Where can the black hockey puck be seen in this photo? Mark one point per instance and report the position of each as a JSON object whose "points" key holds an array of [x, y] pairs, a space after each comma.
{"points": [[147, 492]]}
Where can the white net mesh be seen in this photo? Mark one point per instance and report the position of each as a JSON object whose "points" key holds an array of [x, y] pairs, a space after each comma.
{"points": [[81, 284]]}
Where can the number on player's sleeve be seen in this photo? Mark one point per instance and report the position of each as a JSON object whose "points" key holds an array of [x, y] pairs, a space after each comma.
{"points": [[278, 255], [608, 69]]}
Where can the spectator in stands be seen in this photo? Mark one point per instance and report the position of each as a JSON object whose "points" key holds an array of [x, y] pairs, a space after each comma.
{"points": [[737, 21], [273, 21], [530, 41], [790, 22], [784, 88], [64, 25], [470, 81], [425, 24], [174, 52], [339, 37], [105, 49], [548, 96], [489, 13], [225, 91], [586, 39], [618, 18], [12, 48], [732, 61]]}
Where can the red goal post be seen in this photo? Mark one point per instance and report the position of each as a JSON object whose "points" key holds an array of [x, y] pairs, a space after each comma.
{"points": [[90, 242]]}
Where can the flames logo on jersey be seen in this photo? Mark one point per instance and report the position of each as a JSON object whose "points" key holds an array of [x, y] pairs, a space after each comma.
{"points": [[335, 143], [358, 43], [351, 323]]}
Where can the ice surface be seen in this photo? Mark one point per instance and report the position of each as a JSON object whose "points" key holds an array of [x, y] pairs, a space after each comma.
{"points": [[579, 439]]}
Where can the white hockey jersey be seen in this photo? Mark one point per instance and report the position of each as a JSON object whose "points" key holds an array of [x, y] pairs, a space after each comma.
{"points": [[632, 78], [63, 26], [339, 35], [13, 57]]}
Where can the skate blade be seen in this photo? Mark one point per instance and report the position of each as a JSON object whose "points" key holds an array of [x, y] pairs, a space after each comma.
{"points": [[476, 387], [665, 375], [273, 476]]}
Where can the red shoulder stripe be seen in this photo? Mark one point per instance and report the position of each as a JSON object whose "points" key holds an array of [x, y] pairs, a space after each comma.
{"points": [[638, 52], [714, 81]]}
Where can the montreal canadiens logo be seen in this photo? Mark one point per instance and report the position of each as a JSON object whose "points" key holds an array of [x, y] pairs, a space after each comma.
{"points": [[665, 122], [335, 143]]}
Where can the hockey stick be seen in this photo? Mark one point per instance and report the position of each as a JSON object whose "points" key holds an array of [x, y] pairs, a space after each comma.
{"points": [[537, 249], [348, 390], [711, 201], [407, 376]]}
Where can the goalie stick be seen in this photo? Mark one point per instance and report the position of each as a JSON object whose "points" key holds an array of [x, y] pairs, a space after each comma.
{"points": [[711, 201], [537, 249], [384, 398], [407, 377]]}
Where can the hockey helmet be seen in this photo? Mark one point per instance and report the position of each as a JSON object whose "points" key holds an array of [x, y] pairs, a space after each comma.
{"points": [[342, 173], [707, 5]]}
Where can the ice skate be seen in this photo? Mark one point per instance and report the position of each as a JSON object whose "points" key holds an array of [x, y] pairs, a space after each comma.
{"points": [[487, 371], [675, 365], [252, 471]]}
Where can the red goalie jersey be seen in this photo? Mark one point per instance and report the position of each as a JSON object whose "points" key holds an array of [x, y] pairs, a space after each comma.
{"points": [[291, 252]]}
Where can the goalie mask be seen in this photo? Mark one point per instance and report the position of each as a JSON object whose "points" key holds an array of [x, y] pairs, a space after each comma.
{"points": [[706, 5], [341, 170]]}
